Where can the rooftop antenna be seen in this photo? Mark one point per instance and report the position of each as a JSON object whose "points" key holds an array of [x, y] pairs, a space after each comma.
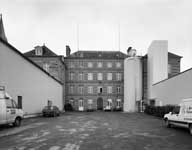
{"points": [[77, 36], [119, 36]]}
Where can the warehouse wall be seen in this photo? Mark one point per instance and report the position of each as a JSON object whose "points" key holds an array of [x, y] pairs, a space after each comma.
{"points": [[173, 90], [22, 78]]}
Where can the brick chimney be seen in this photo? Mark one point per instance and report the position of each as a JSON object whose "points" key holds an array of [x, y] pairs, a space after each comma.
{"points": [[68, 51]]}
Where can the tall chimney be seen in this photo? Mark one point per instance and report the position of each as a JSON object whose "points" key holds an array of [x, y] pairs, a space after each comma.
{"points": [[68, 50]]}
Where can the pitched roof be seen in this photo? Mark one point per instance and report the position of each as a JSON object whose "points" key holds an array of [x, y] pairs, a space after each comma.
{"points": [[2, 31], [46, 52], [174, 55], [98, 55], [30, 61]]}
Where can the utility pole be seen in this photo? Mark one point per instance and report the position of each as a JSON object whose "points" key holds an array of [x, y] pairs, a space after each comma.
{"points": [[77, 36], [119, 36]]}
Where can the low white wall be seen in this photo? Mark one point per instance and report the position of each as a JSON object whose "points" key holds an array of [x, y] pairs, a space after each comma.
{"points": [[173, 90], [22, 78]]}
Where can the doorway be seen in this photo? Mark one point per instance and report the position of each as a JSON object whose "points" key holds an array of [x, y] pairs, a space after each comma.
{"points": [[99, 103]]}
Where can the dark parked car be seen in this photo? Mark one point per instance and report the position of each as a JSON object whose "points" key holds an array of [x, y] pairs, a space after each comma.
{"points": [[51, 111]]}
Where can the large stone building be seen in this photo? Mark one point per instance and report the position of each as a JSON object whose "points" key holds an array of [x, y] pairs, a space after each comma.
{"points": [[94, 79], [49, 61]]}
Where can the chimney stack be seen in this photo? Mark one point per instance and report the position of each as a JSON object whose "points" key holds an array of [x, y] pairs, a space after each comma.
{"points": [[131, 52], [68, 51], [128, 50]]}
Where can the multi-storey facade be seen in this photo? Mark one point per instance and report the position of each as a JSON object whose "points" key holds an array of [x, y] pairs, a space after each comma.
{"points": [[94, 79], [49, 61]]}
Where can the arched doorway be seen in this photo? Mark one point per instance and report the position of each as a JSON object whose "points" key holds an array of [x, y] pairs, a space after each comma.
{"points": [[99, 103]]}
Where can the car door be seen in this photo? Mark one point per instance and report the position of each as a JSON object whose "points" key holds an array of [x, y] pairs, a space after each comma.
{"points": [[10, 111], [174, 115], [2, 111]]}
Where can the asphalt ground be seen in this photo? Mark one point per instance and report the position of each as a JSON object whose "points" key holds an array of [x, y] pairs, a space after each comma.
{"points": [[94, 131]]}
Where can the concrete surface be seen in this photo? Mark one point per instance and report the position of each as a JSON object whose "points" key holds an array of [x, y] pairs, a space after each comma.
{"points": [[94, 131]]}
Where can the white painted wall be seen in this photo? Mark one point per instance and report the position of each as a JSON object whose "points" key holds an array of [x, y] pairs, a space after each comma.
{"points": [[21, 78], [173, 90], [157, 64], [132, 83]]}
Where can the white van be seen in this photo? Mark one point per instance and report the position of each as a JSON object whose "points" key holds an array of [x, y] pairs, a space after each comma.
{"points": [[9, 112], [181, 115]]}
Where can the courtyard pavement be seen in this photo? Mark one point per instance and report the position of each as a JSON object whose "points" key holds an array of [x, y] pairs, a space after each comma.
{"points": [[94, 131]]}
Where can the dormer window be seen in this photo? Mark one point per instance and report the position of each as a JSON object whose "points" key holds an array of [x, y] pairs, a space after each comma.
{"points": [[38, 51]]}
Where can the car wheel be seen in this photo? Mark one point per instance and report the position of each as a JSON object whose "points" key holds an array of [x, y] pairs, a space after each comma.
{"points": [[17, 122], [167, 124], [190, 129]]}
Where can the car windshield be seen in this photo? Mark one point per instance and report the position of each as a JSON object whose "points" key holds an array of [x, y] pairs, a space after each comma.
{"points": [[176, 110]]}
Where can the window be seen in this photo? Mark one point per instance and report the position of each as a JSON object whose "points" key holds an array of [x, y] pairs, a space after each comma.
{"points": [[99, 76], [46, 67], [14, 104], [9, 103], [109, 89], [81, 64], [99, 64], [109, 65], [80, 76], [71, 65], [90, 89], [109, 102], [38, 51], [118, 65], [80, 103], [80, 89], [99, 89], [118, 75], [71, 76], [19, 99], [90, 76], [109, 76], [118, 89], [90, 103], [71, 89], [118, 103], [90, 64]]}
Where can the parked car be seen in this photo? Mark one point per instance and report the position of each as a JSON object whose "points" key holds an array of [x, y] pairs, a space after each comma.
{"points": [[9, 111], [181, 116], [52, 111]]}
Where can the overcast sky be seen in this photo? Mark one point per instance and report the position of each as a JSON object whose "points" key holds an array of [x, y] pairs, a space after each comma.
{"points": [[29, 23]]}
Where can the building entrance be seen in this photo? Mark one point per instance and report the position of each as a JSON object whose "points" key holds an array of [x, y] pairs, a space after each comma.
{"points": [[99, 103]]}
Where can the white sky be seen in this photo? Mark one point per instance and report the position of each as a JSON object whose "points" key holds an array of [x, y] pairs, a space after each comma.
{"points": [[54, 22]]}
